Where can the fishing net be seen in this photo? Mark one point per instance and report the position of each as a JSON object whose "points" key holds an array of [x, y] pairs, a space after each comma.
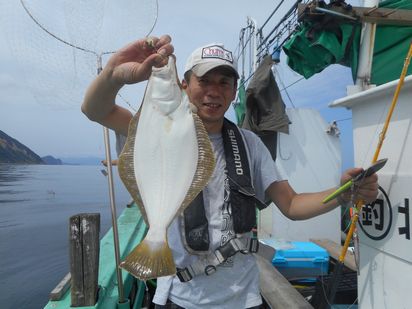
{"points": [[56, 45]]}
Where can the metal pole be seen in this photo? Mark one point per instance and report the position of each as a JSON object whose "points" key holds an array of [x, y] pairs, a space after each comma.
{"points": [[112, 203], [335, 13], [253, 42], [363, 75]]}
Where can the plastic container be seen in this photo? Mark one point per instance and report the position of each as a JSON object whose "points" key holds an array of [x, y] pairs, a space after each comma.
{"points": [[301, 261]]}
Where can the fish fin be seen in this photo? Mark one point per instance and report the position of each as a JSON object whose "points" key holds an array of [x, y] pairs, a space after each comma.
{"points": [[126, 166], [149, 261], [205, 164]]}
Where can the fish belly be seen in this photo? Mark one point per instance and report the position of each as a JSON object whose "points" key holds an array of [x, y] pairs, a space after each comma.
{"points": [[165, 161]]}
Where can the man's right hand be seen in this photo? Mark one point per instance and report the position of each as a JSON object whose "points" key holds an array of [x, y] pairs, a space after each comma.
{"points": [[133, 63]]}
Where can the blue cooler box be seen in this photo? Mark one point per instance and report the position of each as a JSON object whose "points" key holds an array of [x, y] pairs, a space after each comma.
{"points": [[301, 261]]}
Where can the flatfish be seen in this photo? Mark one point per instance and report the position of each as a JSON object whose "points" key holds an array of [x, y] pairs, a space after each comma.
{"points": [[166, 161]]}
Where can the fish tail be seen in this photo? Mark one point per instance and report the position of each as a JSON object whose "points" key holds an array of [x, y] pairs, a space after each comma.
{"points": [[150, 260]]}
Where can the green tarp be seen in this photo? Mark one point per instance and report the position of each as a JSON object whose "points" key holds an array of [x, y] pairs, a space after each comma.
{"points": [[310, 50], [240, 105], [391, 47]]}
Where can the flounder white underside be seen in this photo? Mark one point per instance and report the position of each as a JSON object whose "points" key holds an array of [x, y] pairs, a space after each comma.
{"points": [[167, 157], [166, 162]]}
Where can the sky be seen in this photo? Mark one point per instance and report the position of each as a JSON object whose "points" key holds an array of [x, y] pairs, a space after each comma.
{"points": [[42, 80]]}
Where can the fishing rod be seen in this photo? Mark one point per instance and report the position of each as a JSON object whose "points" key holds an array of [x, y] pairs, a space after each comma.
{"points": [[337, 272]]}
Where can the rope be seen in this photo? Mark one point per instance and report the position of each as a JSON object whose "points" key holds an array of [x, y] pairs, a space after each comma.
{"points": [[284, 88], [290, 85]]}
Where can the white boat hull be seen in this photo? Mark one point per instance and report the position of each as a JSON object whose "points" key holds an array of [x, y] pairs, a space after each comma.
{"points": [[384, 227]]}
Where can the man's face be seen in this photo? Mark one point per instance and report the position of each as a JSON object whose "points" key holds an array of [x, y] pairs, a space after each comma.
{"points": [[211, 94]]}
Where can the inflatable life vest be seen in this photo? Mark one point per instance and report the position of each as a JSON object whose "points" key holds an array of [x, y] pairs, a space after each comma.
{"points": [[241, 197]]}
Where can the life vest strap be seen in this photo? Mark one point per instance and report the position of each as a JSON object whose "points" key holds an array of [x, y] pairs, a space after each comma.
{"points": [[207, 265]]}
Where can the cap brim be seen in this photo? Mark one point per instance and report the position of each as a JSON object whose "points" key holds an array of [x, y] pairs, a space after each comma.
{"points": [[202, 68]]}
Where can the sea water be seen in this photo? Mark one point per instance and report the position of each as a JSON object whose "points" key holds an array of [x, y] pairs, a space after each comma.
{"points": [[36, 202]]}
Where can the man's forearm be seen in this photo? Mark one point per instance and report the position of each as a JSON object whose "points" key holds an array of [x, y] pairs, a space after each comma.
{"points": [[309, 205], [99, 100]]}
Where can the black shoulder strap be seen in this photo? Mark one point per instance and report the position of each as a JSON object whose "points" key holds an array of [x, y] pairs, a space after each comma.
{"points": [[242, 194], [237, 163]]}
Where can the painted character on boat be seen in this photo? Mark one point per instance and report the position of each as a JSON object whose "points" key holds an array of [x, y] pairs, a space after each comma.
{"points": [[211, 240]]}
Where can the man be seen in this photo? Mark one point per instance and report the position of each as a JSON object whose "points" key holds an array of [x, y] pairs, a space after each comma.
{"points": [[210, 82]]}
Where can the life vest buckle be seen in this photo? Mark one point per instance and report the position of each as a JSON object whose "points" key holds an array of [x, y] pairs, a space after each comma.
{"points": [[210, 269], [227, 250], [184, 275]]}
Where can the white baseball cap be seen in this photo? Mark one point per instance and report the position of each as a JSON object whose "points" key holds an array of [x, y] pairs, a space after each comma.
{"points": [[206, 58]]}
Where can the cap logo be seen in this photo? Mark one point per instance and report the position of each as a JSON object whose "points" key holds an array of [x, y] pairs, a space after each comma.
{"points": [[217, 52]]}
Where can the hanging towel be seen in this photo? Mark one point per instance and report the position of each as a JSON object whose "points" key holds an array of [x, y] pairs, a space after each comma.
{"points": [[265, 109]]}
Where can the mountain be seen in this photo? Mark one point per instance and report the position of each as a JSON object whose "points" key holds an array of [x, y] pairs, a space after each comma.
{"points": [[12, 151], [50, 160], [82, 160]]}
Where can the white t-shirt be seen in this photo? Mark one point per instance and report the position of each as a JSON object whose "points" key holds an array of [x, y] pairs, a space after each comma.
{"points": [[235, 284]]}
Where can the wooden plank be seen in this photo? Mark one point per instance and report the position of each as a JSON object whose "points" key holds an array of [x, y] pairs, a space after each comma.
{"points": [[91, 246], [384, 16], [84, 258], [76, 264], [276, 290], [60, 289], [334, 251]]}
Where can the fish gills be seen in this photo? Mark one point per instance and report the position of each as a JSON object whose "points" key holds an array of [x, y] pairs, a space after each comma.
{"points": [[153, 258]]}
